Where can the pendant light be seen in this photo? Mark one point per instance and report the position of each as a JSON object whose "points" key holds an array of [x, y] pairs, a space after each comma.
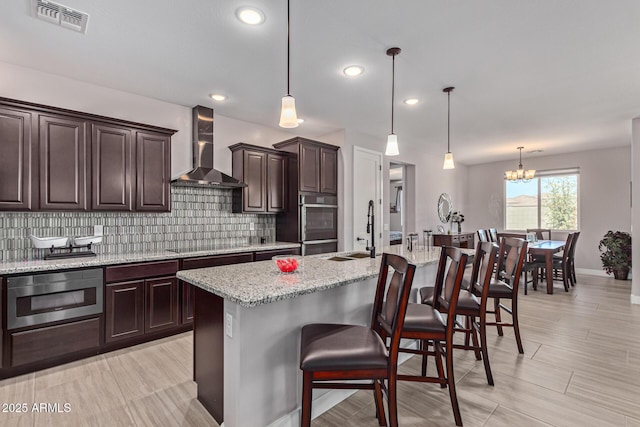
{"points": [[520, 175], [288, 116], [448, 157], [392, 139]]}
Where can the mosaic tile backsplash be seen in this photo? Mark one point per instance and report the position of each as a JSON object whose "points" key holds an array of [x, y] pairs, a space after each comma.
{"points": [[200, 218]]}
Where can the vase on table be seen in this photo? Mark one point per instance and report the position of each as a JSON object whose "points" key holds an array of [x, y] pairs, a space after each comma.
{"points": [[459, 227]]}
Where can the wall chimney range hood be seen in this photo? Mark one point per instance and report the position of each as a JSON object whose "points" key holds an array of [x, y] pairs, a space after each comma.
{"points": [[203, 174]]}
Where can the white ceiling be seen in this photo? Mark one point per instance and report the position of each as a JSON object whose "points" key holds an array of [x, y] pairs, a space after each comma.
{"points": [[552, 75]]}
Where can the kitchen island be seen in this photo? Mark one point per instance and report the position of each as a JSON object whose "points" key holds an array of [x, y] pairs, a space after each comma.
{"points": [[247, 330]]}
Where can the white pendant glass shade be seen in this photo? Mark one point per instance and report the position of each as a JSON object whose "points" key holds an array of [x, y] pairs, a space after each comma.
{"points": [[288, 116], [392, 145], [448, 161]]}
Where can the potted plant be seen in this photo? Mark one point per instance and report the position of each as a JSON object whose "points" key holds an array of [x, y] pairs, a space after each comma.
{"points": [[615, 254]]}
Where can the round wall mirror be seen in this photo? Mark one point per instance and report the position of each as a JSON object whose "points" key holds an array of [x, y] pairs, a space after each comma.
{"points": [[444, 207]]}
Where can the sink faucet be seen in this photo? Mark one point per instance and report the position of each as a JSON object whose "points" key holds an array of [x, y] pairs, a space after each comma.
{"points": [[371, 229]]}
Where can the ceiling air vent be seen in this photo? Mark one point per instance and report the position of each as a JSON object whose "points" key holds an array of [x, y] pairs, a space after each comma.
{"points": [[59, 14]]}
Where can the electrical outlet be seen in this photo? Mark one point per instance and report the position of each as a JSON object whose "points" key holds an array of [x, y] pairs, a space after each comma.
{"points": [[252, 226], [98, 230], [229, 326]]}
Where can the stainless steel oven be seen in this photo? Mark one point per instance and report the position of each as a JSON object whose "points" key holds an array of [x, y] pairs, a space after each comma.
{"points": [[318, 223], [50, 297]]}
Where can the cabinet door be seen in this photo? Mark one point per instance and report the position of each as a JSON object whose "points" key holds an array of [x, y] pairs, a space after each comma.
{"points": [[328, 171], [153, 167], [64, 168], [188, 294], [276, 183], [161, 308], [255, 176], [124, 310], [112, 154], [309, 165], [15, 161]]}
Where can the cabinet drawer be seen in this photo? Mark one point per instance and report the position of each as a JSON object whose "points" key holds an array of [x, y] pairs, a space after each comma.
{"points": [[464, 237], [140, 271], [455, 238], [216, 260], [266, 255], [46, 343]]}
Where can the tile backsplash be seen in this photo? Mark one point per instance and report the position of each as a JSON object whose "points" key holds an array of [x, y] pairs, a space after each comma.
{"points": [[200, 217]]}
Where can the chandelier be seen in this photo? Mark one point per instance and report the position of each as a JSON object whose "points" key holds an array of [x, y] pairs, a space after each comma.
{"points": [[520, 175]]}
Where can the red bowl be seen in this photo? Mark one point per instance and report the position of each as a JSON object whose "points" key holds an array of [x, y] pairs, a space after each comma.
{"points": [[287, 263]]}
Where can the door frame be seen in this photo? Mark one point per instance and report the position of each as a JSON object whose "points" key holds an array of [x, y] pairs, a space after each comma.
{"points": [[379, 212]]}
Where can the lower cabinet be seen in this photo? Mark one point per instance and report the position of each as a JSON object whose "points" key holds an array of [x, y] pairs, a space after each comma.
{"points": [[144, 304]]}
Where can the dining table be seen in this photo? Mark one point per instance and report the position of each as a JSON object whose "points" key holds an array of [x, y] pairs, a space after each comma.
{"points": [[547, 248]]}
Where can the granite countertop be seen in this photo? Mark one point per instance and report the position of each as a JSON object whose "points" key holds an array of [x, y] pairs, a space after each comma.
{"points": [[28, 266], [259, 283]]}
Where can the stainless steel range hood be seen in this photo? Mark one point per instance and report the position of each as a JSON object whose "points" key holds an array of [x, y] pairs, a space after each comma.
{"points": [[203, 173]]}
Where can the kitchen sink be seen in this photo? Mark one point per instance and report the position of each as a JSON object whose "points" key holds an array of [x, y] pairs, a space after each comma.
{"points": [[340, 258], [357, 255]]}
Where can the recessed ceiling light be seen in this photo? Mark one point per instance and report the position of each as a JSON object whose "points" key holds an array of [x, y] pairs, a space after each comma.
{"points": [[250, 15], [217, 97], [353, 70], [411, 101], [300, 120]]}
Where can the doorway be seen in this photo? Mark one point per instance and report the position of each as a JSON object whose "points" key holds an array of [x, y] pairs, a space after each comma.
{"points": [[367, 186], [397, 206]]}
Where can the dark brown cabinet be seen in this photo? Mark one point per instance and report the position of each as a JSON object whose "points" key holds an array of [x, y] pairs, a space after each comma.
{"points": [[62, 160], [140, 298], [153, 171], [264, 171], [124, 310], [458, 240], [112, 155], [317, 165], [64, 163], [187, 297], [16, 159]]}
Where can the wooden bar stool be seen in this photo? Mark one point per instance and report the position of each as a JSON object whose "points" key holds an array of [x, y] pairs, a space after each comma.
{"points": [[336, 352]]}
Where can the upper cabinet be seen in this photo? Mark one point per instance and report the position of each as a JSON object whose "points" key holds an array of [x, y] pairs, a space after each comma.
{"points": [[55, 159], [317, 164], [16, 159], [264, 171]]}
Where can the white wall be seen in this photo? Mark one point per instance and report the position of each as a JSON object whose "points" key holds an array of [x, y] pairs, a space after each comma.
{"points": [[635, 211], [604, 195]]}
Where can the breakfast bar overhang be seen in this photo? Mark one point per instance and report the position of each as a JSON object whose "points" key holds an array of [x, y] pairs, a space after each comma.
{"points": [[247, 330]]}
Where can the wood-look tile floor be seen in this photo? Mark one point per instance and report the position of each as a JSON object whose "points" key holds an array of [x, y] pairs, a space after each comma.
{"points": [[581, 367]]}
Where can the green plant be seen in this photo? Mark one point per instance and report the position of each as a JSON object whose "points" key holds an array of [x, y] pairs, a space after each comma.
{"points": [[617, 251]]}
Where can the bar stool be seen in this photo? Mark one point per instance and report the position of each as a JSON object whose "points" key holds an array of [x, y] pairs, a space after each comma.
{"points": [[336, 352]]}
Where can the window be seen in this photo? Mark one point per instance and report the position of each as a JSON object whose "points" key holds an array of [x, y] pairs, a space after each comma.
{"points": [[550, 200]]}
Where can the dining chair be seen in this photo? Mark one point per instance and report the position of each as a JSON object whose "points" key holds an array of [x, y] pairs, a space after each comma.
{"points": [[572, 255], [435, 325], [483, 235], [511, 257], [540, 233], [562, 264], [473, 304], [333, 353], [493, 235]]}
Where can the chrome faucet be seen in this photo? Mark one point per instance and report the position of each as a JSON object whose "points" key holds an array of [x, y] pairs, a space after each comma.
{"points": [[371, 229]]}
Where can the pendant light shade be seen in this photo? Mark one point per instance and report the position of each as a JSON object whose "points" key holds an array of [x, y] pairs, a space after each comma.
{"points": [[448, 157], [392, 139], [288, 115], [392, 145]]}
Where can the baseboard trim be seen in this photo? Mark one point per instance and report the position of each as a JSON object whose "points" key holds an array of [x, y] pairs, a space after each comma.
{"points": [[635, 299], [328, 400], [590, 272]]}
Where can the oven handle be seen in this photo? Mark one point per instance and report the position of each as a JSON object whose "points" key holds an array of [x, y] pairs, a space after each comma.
{"points": [[316, 205], [48, 288]]}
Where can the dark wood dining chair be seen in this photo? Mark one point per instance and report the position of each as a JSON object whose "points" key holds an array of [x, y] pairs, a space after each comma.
{"points": [[540, 233], [333, 353], [493, 235], [483, 235], [572, 256], [473, 304], [562, 263], [426, 324], [511, 258]]}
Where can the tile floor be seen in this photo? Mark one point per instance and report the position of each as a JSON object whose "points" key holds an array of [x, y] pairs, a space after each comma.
{"points": [[581, 367]]}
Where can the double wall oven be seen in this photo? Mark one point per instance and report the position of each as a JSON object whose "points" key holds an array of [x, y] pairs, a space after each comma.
{"points": [[318, 223]]}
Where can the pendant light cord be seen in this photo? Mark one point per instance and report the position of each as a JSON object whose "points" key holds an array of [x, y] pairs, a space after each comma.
{"points": [[288, 43], [393, 87], [448, 121]]}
